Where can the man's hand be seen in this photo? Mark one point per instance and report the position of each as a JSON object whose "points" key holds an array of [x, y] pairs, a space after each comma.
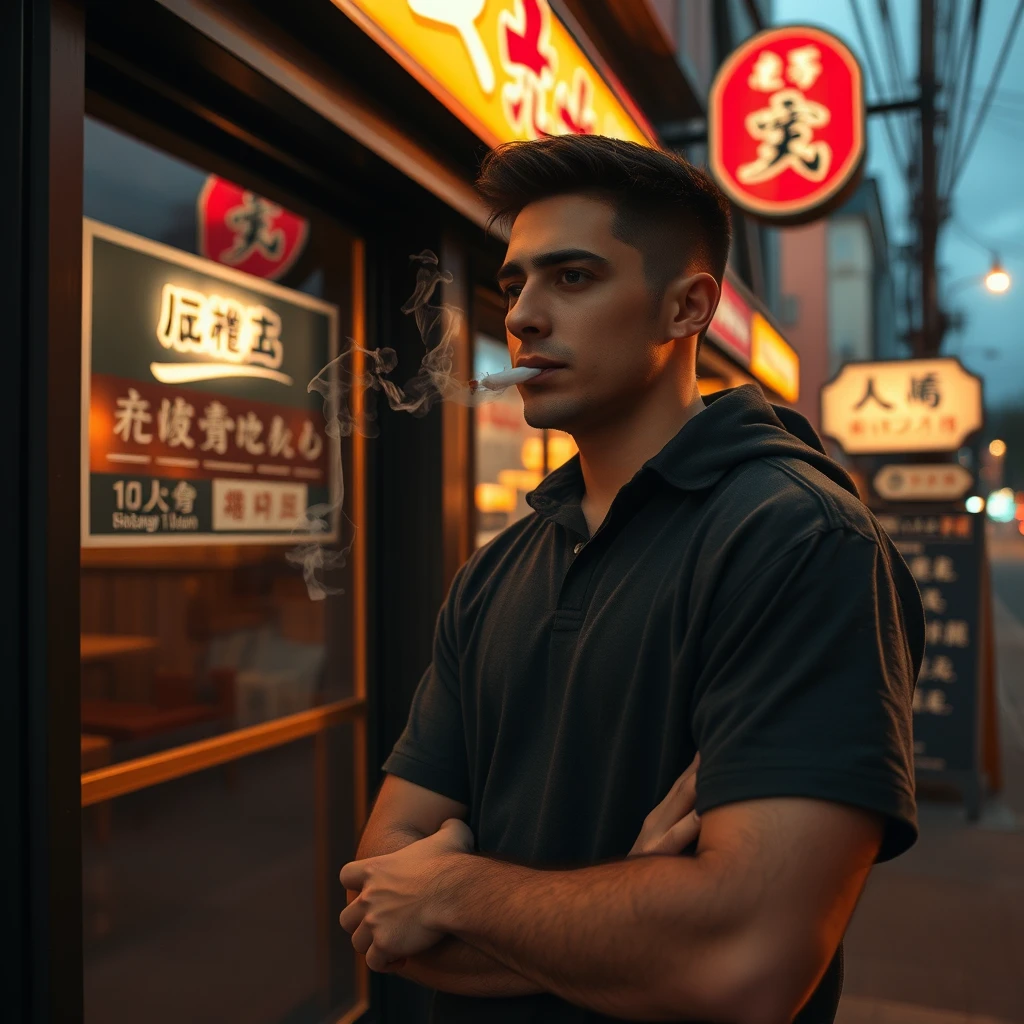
{"points": [[674, 823], [388, 920]]}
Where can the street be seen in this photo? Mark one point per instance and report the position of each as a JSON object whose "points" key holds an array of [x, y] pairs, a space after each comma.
{"points": [[938, 937]]}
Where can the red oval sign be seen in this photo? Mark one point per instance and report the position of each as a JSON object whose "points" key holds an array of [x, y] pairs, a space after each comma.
{"points": [[243, 230], [786, 135]]}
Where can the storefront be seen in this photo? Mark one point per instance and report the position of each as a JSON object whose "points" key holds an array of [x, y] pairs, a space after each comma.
{"points": [[213, 643]]}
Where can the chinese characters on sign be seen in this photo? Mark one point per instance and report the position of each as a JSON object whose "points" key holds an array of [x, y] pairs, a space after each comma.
{"points": [[911, 405], [785, 128], [508, 68], [786, 123], [929, 482], [215, 442], [194, 323], [217, 428], [943, 553], [243, 230]]}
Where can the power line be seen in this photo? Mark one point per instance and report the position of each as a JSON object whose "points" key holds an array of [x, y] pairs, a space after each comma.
{"points": [[990, 248], [997, 71], [900, 87], [955, 145], [902, 159]]}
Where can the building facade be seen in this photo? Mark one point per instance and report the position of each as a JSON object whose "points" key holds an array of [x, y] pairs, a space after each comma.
{"points": [[227, 550], [838, 299]]}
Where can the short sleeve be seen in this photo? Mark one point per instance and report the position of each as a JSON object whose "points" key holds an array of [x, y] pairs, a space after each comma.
{"points": [[431, 752], [806, 683]]}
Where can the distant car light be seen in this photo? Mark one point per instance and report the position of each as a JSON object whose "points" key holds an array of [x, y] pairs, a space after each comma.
{"points": [[1002, 508]]}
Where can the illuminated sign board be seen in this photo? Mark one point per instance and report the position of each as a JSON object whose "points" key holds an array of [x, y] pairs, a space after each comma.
{"points": [[786, 131], [772, 360], [731, 326], [196, 424], [509, 69], [902, 405], [243, 230]]}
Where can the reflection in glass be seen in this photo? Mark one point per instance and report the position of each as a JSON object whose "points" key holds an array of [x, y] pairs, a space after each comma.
{"points": [[215, 897]]}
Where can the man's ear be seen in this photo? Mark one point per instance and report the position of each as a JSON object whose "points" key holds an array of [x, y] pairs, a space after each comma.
{"points": [[693, 299]]}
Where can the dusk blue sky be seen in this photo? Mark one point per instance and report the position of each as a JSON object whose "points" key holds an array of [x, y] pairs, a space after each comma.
{"points": [[988, 200]]}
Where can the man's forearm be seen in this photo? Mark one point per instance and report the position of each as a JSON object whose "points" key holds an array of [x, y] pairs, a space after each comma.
{"points": [[452, 965], [641, 938]]}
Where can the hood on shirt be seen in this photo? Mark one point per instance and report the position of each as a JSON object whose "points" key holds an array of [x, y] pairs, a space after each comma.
{"points": [[738, 425]]}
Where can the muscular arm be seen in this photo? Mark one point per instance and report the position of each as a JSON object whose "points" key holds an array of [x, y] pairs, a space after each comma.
{"points": [[403, 814], [742, 932]]}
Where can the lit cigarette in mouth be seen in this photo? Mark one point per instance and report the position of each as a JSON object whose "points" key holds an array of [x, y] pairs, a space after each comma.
{"points": [[505, 379]]}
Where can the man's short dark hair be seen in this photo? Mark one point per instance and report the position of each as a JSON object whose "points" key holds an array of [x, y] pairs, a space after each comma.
{"points": [[668, 209]]}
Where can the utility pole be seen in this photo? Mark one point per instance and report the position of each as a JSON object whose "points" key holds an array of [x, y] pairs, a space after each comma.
{"points": [[930, 338]]}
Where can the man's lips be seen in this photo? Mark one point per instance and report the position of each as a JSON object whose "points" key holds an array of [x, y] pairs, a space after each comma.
{"points": [[539, 363], [546, 372]]}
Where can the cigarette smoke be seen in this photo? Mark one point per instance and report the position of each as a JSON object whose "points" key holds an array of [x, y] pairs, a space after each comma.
{"points": [[439, 326]]}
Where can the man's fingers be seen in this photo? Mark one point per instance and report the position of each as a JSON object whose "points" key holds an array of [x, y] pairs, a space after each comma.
{"points": [[679, 801], [354, 874], [352, 915], [680, 835], [376, 960], [362, 939]]}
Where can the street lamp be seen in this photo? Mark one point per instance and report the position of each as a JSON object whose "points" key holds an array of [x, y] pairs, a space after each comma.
{"points": [[997, 280]]}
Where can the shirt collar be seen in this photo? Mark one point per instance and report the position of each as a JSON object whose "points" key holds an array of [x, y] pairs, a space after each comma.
{"points": [[692, 459]]}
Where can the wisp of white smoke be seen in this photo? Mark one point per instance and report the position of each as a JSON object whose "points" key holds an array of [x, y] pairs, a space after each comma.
{"points": [[439, 326]]}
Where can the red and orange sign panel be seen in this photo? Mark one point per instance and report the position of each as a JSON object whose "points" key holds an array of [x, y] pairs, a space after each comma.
{"points": [[786, 134]]}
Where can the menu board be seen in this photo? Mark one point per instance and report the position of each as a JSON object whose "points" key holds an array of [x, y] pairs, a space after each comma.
{"points": [[944, 552], [197, 427]]}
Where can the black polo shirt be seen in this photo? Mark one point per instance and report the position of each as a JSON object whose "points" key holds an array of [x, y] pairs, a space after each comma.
{"points": [[738, 599]]}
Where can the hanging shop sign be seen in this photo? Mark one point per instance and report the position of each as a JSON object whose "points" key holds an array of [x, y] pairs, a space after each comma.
{"points": [[926, 482], [243, 230], [786, 124], [772, 360], [945, 553], [732, 324], [196, 424], [509, 69], [902, 405]]}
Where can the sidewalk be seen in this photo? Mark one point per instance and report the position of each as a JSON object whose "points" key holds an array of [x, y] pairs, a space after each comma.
{"points": [[938, 937]]}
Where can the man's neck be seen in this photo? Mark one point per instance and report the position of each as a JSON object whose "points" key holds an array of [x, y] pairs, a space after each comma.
{"points": [[612, 454]]}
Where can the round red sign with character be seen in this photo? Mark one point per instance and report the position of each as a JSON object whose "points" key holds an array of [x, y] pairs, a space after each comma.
{"points": [[243, 230], [786, 131]]}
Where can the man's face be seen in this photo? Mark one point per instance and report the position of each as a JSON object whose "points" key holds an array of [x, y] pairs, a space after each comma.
{"points": [[578, 296]]}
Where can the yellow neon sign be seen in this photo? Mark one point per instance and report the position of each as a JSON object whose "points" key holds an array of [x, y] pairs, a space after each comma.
{"points": [[509, 69], [772, 360]]}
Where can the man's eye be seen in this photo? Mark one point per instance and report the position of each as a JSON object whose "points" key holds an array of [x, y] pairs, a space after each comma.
{"points": [[573, 276], [512, 292]]}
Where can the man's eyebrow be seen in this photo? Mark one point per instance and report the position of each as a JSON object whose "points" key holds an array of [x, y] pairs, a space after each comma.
{"points": [[552, 259]]}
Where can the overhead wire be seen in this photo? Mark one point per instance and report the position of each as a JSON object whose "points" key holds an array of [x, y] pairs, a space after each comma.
{"points": [[1002, 248], [959, 102], [895, 64], [878, 84], [997, 70], [944, 60]]}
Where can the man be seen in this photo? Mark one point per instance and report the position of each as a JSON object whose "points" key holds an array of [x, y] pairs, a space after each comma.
{"points": [[701, 577]]}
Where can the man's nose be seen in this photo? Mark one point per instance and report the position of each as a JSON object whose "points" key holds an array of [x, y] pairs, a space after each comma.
{"points": [[528, 317]]}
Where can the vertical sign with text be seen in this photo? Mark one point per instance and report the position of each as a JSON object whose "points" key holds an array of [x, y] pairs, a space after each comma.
{"points": [[196, 424], [944, 552]]}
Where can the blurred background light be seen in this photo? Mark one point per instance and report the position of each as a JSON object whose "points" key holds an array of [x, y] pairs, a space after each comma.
{"points": [[975, 503], [1002, 507]]}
